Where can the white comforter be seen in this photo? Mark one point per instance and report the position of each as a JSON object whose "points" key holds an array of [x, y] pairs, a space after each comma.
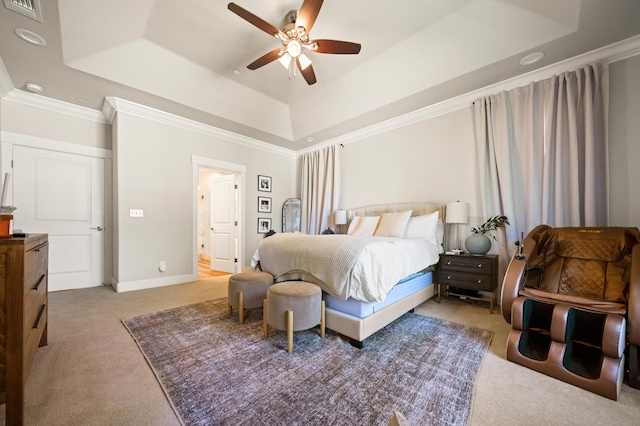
{"points": [[364, 268]]}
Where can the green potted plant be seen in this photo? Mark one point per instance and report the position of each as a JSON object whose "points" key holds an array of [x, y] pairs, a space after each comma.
{"points": [[478, 243]]}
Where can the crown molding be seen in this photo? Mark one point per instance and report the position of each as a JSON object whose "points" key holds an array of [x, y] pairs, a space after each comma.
{"points": [[114, 105], [612, 53], [54, 105]]}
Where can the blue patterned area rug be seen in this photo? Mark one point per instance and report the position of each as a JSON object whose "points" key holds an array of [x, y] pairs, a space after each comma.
{"points": [[217, 372]]}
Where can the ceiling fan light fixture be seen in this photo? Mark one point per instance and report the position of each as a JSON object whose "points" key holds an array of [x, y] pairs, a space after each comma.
{"points": [[294, 35], [294, 48], [285, 60], [304, 61]]}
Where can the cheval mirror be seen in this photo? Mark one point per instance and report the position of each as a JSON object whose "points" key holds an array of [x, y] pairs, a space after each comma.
{"points": [[291, 215]]}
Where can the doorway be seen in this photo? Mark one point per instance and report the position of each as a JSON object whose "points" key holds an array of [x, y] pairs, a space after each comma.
{"points": [[209, 166], [217, 222]]}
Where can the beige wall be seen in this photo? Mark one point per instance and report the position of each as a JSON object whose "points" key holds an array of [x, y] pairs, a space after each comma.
{"points": [[432, 160], [30, 120], [154, 172], [435, 160]]}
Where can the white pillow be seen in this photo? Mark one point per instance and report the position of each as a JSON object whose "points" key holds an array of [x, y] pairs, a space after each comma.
{"points": [[363, 226], [424, 227], [393, 224]]}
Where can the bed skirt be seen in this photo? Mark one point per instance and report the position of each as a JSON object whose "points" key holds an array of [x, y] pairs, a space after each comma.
{"points": [[359, 320]]}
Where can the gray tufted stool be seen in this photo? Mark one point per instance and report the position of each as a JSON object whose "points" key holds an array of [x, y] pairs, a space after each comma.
{"points": [[247, 290], [293, 306]]}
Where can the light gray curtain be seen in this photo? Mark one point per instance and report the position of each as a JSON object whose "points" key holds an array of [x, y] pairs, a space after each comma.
{"points": [[543, 154], [320, 189]]}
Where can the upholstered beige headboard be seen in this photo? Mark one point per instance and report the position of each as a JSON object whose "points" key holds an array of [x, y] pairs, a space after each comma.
{"points": [[378, 209]]}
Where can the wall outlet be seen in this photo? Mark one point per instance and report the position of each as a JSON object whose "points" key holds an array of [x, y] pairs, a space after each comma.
{"points": [[163, 266], [136, 213]]}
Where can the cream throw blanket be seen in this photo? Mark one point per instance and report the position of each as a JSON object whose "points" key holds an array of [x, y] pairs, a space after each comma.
{"points": [[365, 268]]}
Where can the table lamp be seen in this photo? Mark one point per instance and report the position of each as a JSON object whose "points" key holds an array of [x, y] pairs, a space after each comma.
{"points": [[457, 213], [340, 219]]}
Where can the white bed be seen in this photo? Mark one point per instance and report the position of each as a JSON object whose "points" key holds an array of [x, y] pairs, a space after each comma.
{"points": [[352, 309]]}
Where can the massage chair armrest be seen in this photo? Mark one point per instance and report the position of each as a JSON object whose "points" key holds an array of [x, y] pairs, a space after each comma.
{"points": [[514, 279], [515, 276], [633, 308]]}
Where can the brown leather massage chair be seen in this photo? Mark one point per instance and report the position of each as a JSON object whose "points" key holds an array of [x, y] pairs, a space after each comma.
{"points": [[572, 296]]}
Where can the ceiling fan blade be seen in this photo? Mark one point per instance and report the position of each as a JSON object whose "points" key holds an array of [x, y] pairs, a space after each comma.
{"points": [[336, 46], [265, 59], [307, 73], [308, 14], [253, 19]]}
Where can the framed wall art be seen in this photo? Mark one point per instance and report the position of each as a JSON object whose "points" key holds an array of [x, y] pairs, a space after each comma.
{"points": [[264, 183], [264, 204], [264, 225]]}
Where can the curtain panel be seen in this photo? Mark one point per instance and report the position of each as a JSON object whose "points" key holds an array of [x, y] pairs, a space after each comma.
{"points": [[320, 192], [543, 153]]}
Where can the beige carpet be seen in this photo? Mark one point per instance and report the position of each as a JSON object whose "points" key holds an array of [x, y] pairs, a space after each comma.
{"points": [[92, 372]]}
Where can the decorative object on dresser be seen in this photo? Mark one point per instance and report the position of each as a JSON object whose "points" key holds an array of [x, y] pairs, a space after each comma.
{"points": [[457, 213], [6, 212], [466, 274], [23, 308], [478, 243]]}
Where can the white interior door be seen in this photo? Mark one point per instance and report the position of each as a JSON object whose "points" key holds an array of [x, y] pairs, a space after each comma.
{"points": [[63, 195], [223, 223]]}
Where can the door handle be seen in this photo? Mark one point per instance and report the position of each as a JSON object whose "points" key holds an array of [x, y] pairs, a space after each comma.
{"points": [[97, 228]]}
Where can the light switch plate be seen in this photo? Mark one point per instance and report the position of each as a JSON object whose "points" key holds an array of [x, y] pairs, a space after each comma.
{"points": [[136, 213]]}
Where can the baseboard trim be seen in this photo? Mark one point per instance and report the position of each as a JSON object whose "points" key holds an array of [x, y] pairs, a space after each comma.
{"points": [[121, 287]]}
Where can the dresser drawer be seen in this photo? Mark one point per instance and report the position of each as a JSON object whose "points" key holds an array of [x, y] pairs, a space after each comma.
{"points": [[33, 335], [35, 268], [466, 280], [32, 304], [471, 264]]}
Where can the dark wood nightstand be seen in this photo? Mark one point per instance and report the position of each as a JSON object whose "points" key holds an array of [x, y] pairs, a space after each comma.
{"points": [[465, 271]]}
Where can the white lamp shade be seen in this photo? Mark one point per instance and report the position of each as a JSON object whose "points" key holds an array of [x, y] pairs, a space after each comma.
{"points": [[457, 212], [341, 217], [304, 61], [285, 60]]}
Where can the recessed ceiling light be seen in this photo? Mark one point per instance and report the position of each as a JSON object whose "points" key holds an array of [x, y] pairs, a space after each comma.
{"points": [[531, 58], [236, 71], [309, 140], [35, 88], [30, 37], [81, 100]]}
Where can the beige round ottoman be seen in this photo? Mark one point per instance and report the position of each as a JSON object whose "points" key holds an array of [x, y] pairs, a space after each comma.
{"points": [[247, 290], [293, 306]]}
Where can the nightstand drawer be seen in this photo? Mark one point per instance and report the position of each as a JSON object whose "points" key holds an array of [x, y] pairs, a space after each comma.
{"points": [[467, 272], [466, 280], [471, 264]]}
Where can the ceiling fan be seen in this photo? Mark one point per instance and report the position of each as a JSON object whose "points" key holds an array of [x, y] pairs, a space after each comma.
{"points": [[295, 39]]}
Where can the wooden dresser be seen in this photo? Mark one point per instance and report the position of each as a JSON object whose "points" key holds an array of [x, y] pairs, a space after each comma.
{"points": [[23, 315]]}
